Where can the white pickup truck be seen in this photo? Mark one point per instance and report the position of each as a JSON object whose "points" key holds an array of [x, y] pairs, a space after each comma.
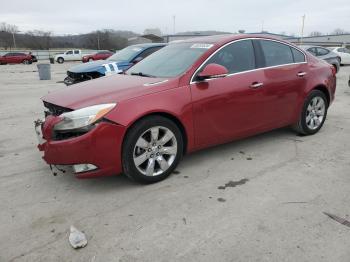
{"points": [[70, 55]]}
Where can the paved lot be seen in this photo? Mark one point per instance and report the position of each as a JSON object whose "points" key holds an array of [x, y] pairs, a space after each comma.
{"points": [[273, 215]]}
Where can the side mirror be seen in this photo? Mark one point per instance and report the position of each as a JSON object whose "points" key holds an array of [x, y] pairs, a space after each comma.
{"points": [[137, 59], [212, 71]]}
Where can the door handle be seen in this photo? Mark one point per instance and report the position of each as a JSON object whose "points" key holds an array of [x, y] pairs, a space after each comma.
{"points": [[256, 85], [301, 74]]}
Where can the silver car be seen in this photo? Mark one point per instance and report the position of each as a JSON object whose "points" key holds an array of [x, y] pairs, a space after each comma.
{"points": [[323, 53]]}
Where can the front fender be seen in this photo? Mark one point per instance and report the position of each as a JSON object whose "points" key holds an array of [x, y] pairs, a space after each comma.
{"points": [[175, 102]]}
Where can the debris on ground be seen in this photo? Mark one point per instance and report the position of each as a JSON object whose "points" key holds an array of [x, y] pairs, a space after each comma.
{"points": [[338, 219], [234, 183], [249, 158], [77, 239], [176, 172], [220, 199]]}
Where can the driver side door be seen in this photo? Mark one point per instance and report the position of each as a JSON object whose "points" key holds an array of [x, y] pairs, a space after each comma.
{"points": [[229, 107]]}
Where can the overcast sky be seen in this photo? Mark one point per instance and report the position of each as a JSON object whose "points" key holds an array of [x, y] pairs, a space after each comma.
{"points": [[70, 17]]}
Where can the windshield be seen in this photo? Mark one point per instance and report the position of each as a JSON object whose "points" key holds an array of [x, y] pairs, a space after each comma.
{"points": [[170, 61], [126, 54]]}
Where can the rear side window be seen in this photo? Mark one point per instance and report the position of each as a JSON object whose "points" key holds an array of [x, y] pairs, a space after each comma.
{"points": [[76, 51], [298, 56], [236, 57], [276, 53], [322, 51]]}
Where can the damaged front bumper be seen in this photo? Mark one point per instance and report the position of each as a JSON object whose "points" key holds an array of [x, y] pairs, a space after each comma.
{"points": [[92, 154]]}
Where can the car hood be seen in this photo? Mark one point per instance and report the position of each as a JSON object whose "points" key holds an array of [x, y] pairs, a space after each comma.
{"points": [[95, 66], [108, 89]]}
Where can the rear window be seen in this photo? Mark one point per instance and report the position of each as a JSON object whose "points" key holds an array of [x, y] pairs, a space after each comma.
{"points": [[276, 53]]}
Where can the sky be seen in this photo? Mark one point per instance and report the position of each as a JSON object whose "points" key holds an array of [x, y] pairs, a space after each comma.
{"points": [[72, 17]]}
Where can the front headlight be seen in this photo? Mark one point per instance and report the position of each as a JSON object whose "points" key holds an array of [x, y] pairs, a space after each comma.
{"points": [[83, 117]]}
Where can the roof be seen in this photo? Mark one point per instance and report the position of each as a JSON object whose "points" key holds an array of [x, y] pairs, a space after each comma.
{"points": [[222, 39]]}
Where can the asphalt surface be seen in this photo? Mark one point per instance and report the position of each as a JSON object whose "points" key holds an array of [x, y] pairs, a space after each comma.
{"points": [[258, 199]]}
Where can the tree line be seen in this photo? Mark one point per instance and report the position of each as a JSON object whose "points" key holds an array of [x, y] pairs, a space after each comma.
{"points": [[106, 39]]}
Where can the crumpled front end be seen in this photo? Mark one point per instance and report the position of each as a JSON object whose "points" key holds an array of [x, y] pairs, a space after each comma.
{"points": [[89, 152]]}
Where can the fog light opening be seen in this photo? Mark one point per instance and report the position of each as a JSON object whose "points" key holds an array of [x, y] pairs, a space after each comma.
{"points": [[83, 168]]}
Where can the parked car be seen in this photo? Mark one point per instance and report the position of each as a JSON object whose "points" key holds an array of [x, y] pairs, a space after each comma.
{"points": [[102, 55], [187, 96], [343, 53], [70, 55], [15, 58], [34, 59], [325, 54], [116, 63]]}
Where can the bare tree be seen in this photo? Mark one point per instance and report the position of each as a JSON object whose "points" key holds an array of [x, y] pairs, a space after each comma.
{"points": [[38, 39], [315, 33], [11, 31]]}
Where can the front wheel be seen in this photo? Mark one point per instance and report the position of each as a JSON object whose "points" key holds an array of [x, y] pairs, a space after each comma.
{"points": [[313, 114], [60, 60], [90, 60], [152, 149], [26, 62]]}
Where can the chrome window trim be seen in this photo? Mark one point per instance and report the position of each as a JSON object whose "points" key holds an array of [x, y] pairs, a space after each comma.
{"points": [[248, 71]]}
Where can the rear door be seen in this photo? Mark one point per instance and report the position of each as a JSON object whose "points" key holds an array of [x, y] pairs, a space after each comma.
{"points": [[284, 79]]}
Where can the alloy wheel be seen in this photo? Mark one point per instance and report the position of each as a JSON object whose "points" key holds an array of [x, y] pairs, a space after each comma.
{"points": [[315, 112], [155, 151]]}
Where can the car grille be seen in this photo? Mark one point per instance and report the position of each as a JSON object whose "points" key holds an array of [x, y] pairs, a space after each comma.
{"points": [[55, 110], [83, 76]]}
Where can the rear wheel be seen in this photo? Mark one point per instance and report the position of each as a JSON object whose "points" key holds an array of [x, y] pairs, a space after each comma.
{"points": [[152, 149], [313, 114]]}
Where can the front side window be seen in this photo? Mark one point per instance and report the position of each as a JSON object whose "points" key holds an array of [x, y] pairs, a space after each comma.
{"points": [[322, 51], [69, 53], [276, 53], [313, 51], [126, 54], [236, 57], [149, 51]]}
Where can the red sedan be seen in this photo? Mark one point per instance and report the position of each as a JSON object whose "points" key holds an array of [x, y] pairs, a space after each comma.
{"points": [[97, 56], [185, 97], [15, 58]]}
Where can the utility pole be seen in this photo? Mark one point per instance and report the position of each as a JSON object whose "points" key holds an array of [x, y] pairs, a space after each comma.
{"points": [[302, 29], [14, 40], [98, 40], [174, 18], [262, 26]]}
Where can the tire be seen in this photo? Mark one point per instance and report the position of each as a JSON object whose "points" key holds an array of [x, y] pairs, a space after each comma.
{"points": [[313, 115], [25, 62], [90, 60], [60, 60], [140, 152]]}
